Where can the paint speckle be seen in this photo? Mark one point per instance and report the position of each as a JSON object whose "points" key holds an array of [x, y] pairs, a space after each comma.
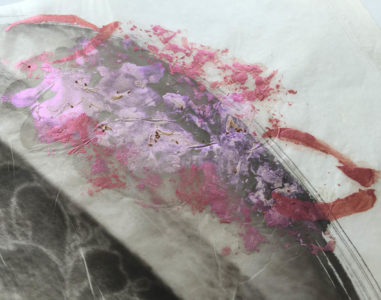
{"points": [[226, 251]]}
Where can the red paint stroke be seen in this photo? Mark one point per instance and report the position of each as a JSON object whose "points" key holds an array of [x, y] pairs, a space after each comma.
{"points": [[364, 176], [55, 18], [78, 131], [193, 61], [107, 182], [104, 34], [200, 187], [295, 209]]}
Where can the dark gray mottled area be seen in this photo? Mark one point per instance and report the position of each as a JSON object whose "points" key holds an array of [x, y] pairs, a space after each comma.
{"points": [[51, 249]]}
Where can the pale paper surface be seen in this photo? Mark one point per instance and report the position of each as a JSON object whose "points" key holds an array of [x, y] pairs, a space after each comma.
{"points": [[374, 8], [329, 51]]}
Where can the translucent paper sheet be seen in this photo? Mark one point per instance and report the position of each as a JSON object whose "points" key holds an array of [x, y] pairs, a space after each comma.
{"points": [[209, 170]]}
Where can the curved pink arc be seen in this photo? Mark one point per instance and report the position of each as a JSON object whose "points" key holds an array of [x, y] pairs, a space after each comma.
{"points": [[71, 19]]}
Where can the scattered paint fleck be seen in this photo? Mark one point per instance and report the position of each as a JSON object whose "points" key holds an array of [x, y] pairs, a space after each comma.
{"points": [[226, 251]]}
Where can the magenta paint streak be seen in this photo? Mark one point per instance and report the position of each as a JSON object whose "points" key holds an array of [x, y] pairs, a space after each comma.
{"points": [[104, 34]]}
